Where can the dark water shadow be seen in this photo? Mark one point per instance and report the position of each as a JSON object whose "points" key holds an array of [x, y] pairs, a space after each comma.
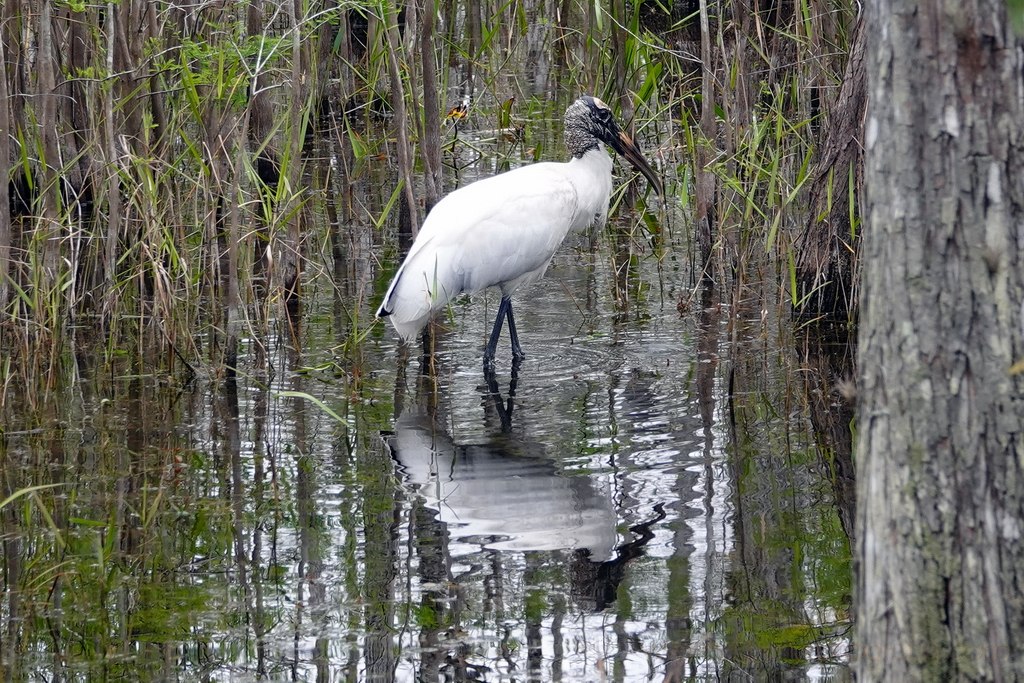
{"points": [[828, 354]]}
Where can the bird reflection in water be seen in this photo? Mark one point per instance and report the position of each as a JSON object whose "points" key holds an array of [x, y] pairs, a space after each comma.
{"points": [[505, 494]]}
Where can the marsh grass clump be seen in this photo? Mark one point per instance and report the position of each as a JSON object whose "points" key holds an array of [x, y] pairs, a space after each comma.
{"points": [[159, 190]]}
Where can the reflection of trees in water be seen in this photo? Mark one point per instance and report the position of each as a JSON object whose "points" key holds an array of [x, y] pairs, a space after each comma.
{"points": [[381, 518], [828, 360], [778, 600], [764, 584], [679, 622]]}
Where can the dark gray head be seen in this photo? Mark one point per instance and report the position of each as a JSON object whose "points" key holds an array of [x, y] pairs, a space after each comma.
{"points": [[589, 121]]}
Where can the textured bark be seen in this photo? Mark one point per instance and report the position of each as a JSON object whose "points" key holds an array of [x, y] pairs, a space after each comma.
{"points": [[75, 101], [261, 113], [50, 171], [473, 10], [827, 247], [157, 96], [12, 18], [5, 176], [289, 260], [705, 185], [404, 145], [939, 457], [114, 204], [430, 142], [127, 58]]}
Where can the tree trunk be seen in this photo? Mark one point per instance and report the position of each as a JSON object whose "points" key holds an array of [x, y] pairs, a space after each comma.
{"points": [[705, 185], [261, 113], [940, 479], [157, 95], [474, 20], [404, 145], [127, 57], [114, 204], [75, 98], [430, 140], [12, 17], [5, 179], [290, 257], [827, 247], [51, 170]]}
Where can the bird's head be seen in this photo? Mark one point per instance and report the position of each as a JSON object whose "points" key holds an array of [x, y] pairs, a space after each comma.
{"points": [[589, 121]]}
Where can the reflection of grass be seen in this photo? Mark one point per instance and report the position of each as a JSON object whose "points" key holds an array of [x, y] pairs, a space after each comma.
{"points": [[535, 604], [792, 589], [167, 612], [108, 561], [27, 491], [795, 636], [768, 627], [315, 401], [426, 616]]}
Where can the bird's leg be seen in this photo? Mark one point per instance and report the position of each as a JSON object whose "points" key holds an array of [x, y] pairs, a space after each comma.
{"points": [[504, 407], [492, 343], [427, 359], [517, 350]]}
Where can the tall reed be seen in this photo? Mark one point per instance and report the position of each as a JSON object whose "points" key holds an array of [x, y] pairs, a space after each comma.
{"points": [[155, 184]]}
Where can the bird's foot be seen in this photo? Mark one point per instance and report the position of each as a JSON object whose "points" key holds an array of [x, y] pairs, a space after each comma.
{"points": [[516, 362]]}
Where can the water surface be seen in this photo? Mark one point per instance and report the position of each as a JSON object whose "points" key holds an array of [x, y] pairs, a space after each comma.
{"points": [[641, 499]]}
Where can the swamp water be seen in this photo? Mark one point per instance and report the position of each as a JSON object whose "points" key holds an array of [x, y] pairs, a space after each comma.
{"points": [[642, 500]]}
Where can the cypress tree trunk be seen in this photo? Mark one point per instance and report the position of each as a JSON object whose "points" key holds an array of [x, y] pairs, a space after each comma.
{"points": [[828, 245], [114, 204], [409, 222], [941, 412], [51, 169], [705, 185], [5, 179], [430, 140]]}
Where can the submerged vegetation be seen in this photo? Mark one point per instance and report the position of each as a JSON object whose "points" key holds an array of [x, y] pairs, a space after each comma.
{"points": [[189, 188]]}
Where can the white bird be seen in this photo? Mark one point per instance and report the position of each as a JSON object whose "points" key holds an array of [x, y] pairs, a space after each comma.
{"points": [[503, 231]]}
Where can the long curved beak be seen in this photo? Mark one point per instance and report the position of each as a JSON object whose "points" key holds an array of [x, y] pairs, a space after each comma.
{"points": [[624, 145]]}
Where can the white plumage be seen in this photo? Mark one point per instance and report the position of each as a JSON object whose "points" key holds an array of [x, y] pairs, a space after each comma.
{"points": [[503, 231]]}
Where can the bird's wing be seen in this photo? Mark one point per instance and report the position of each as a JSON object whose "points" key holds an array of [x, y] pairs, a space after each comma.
{"points": [[507, 226], [494, 231]]}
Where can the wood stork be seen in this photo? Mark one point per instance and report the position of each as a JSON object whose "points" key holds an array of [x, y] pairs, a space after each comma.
{"points": [[502, 231]]}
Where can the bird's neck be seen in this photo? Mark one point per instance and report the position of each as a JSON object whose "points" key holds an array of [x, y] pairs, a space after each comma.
{"points": [[592, 175], [595, 163], [595, 160]]}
